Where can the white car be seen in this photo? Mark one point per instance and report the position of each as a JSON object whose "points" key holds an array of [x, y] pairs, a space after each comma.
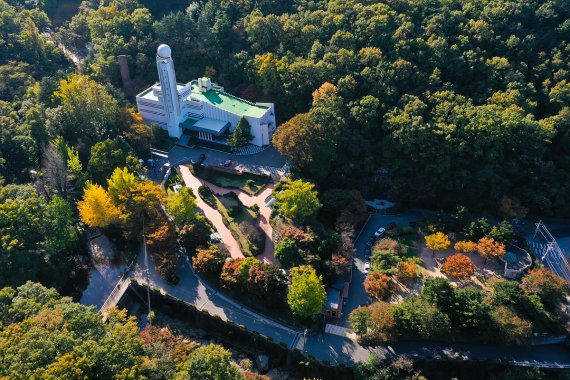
{"points": [[366, 267], [380, 232]]}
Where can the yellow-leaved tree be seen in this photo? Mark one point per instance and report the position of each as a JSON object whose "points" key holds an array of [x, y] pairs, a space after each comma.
{"points": [[437, 241], [97, 209]]}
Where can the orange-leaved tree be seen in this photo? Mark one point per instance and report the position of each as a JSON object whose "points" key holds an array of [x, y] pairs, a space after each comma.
{"points": [[406, 271], [488, 247], [459, 266], [465, 246], [377, 285], [437, 241], [97, 208]]}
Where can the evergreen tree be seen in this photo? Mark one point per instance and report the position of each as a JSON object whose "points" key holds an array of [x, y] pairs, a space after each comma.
{"points": [[241, 135]]}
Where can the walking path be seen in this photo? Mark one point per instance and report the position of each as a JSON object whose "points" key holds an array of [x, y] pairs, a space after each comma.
{"points": [[211, 213], [215, 217]]}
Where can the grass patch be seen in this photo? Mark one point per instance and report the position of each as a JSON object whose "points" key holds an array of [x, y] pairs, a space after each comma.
{"points": [[250, 183], [241, 222]]}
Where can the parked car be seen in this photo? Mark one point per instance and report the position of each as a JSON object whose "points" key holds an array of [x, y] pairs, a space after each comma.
{"points": [[366, 267], [370, 242], [390, 226], [228, 163], [202, 158], [381, 231], [367, 254]]}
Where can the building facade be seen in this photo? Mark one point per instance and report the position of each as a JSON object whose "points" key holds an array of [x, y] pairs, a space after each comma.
{"points": [[200, 108]]}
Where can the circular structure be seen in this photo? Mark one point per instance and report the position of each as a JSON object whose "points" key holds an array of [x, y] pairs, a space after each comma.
{"points": [[164, 51]]}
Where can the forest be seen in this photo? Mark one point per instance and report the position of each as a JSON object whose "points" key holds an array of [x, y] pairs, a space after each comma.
{"points": [[430, 103]]}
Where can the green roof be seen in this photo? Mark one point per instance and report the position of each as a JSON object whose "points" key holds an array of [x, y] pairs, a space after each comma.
{"points": [[228, 102]]}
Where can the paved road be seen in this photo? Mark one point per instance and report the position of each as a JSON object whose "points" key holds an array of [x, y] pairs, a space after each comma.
{"points": [[194, 290], [267, 162]]}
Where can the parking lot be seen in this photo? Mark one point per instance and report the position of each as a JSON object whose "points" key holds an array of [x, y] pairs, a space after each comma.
{"points": [[357, 294]]}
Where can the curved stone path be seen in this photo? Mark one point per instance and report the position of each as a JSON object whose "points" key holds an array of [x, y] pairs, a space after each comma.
{"points": [[215, 217]]}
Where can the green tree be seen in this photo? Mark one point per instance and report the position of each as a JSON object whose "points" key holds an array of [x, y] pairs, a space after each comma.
{"points": [[107, 155], [182, 206], [307, 293], [241, 136], [298, 200], [211, 362], [287, 253], [88, 112]]}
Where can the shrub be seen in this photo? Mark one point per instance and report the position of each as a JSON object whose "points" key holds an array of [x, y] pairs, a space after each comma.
{"points": [[465, 246], [207, 195], [387, 244], [287, 253]]}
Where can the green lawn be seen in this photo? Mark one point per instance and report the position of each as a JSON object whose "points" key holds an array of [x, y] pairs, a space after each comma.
{"points": [[242, 223]]}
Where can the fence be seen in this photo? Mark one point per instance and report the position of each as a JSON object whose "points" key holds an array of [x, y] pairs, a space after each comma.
{"points": [[549, 252]]}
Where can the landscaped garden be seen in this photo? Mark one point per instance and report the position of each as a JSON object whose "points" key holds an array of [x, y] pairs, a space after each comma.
{"points": [[447, 284], [250, 183]]}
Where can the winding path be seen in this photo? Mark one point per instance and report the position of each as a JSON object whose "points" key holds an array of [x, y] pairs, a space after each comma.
{"points": [[215, 217]]}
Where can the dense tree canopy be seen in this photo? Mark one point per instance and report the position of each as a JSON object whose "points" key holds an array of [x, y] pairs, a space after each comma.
{"points": [[38, 237]]}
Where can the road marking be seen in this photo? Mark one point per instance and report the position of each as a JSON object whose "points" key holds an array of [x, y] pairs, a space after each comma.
{"points": [[340, 331]]}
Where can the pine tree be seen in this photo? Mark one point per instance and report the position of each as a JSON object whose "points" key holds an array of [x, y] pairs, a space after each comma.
{"points": [[241, 135]]}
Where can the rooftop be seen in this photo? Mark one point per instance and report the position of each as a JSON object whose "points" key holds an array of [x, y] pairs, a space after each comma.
{"points": [[149, 93], [333, 299], [215, 127], [228, 102]]}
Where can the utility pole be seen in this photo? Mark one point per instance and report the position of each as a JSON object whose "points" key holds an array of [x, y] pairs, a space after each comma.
{"points": [[147, 274]]}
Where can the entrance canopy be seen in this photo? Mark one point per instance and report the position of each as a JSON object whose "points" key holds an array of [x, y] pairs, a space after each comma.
{"points": [[206, 125]]}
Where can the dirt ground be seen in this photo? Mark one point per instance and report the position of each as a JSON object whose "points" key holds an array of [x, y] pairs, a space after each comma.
{"points": [[484, 271]]}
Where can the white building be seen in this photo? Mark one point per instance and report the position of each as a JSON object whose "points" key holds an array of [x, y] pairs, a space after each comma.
{"points": [[200, 108]]}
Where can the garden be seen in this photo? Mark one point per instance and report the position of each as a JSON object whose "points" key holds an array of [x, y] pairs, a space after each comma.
{"points": [[449, 285], [240, 220], [248, 182]]}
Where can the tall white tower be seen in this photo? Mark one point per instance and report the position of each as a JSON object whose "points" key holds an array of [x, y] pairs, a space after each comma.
{"points": [[170, 98]]}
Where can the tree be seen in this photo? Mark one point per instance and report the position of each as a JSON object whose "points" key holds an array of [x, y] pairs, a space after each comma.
{"points": [[416, 317], [97, 209], [359, 319], [488, 247], [381, 325], [107, 155], [510, 327], [298, 200], [231, 276], [39, 237], [437, 241], [135, 199], [73, 341], [378, 285], [195, 234], [88, 112], [62, 168], [465, 246], [307, 294], [406, 271], [438, 291], [459, 266], [268, 281], [209, 260], [211, 362], [241, 136], [305, 144], [287, 253], [182, 206], [544, 283], [470, 312]]}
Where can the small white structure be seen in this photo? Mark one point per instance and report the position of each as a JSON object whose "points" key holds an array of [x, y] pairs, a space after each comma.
{"points": [[200, 108]]}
